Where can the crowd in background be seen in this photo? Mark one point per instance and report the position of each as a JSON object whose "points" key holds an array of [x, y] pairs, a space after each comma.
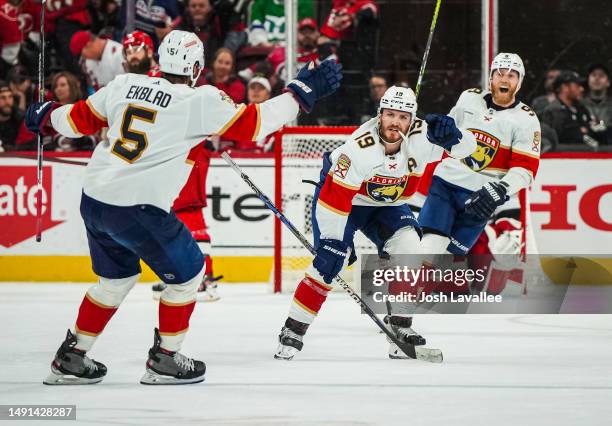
{"points": [[244, 57]]}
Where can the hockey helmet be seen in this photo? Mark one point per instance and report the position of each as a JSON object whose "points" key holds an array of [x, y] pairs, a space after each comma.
{"points": [[137, 38], [510, 61], [182, 53], [400, 99]]}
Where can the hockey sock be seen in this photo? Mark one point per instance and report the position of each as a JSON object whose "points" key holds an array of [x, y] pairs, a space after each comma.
{"points": [[98, 306], [308, 299], [175, 308]]}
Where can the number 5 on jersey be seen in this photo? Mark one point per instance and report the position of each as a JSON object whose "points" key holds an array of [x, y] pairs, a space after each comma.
{"points": [[132, 143]]}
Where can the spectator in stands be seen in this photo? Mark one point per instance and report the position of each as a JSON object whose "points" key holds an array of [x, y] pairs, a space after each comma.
{"points": [[307, 37], [213, 29], [350, 30], [599, 103], [154, 17], [10, 118], [540, 103], [267, 23], [139, 54], [66, 88], [102, 59], [21, 86], [222, 75], [567, 115], [63, 19], [104, 17], [259, 90], [378, 85], [10, 34]]}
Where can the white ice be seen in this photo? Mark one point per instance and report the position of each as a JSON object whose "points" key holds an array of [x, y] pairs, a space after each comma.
{"points": [[498, 370]]}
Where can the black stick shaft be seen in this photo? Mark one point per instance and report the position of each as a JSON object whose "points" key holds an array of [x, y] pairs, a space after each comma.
{"points": [[407, 348]]}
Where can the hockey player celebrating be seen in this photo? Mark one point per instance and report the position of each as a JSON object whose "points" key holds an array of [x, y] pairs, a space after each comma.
{"points": [[130, 184], [364, 186], [464, 193]]}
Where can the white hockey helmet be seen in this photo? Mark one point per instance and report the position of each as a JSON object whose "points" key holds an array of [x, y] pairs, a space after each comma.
{"points": [[510, 61], [400, 99], [181, 53]]}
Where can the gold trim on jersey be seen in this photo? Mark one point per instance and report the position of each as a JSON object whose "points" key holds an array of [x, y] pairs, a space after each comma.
{"points": [[258, 126], [332, 209], [232, 120], [71, 122], [94, 111]]}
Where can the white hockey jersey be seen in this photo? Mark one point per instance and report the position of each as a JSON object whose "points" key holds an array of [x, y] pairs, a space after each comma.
{"points": [[362, 174], [508, 143], [110, 65], [153, 124]]}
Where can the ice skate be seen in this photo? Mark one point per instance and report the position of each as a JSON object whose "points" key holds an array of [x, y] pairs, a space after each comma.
{"points": [[72, 367], [171, 368], [290, 339], [402, 327], [207, 292]]}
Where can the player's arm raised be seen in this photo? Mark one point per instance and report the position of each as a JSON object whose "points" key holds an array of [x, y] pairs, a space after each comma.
{"points": [[250, 122], [443, 132], [84, 117]]}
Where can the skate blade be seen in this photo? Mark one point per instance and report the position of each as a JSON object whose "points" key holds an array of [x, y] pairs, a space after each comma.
{"points": [[207, 298], [66, 379], [283, 358], [152, 378]]}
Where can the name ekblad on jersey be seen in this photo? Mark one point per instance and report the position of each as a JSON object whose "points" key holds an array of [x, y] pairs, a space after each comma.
{"points": [[486, 148], [342, 166], [143, 93], [386, 189]]}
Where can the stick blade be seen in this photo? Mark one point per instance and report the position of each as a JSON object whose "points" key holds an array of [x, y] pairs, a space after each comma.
{"points": [[429, 355]]}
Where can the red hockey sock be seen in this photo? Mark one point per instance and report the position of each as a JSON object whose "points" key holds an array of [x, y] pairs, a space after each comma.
{"points": [[93, 316], [174, 317], [308, 299]]}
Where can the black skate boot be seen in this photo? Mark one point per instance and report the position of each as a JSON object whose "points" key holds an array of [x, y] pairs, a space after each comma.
{"points": [[171, 368], [72, 367], [401, 326], [290, 339]]}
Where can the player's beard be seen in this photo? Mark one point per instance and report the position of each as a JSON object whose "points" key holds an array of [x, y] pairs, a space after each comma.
{"points": [[390, 136], [140, 67], [503, 97]]}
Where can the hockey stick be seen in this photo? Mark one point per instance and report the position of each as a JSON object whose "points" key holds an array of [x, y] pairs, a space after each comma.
{"points": [[427, 47], [415, 352], [39, 146]]}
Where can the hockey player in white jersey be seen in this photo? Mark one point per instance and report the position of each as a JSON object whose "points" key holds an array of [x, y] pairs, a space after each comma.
{"points": [[131, 182], [464, 193], [364, 186]]}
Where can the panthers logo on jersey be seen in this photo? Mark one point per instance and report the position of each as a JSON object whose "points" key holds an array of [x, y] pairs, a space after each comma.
{"points": [[386, 189], [486, 148]]}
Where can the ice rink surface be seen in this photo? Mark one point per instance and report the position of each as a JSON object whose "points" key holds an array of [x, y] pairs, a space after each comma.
{"points": [[498, 370]]}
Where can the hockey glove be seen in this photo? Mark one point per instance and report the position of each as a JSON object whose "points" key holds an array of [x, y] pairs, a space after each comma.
{"points": [[482, 203], [37, 116], [330, 258], [315, 82], [442, 131]]}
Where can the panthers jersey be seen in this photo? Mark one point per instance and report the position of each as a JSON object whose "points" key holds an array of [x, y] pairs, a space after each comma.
{"points": [[508, 143], [362, 174], [153, 124]]}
